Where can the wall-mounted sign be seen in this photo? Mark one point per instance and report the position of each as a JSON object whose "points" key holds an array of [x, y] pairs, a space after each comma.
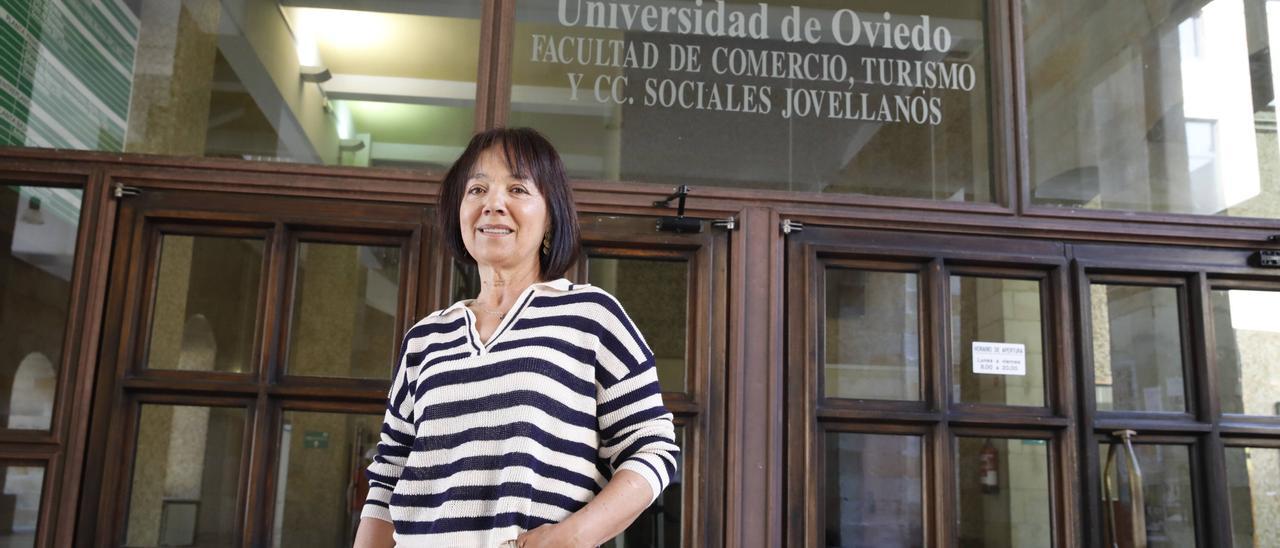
{"points": [[774, 60], [315, 440], [992, 358]]}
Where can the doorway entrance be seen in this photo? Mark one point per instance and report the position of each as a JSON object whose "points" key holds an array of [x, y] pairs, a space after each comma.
{"points": [[251, 341]]}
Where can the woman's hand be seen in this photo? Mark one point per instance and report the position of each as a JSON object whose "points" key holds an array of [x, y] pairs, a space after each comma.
{"points": [[552, 535]]}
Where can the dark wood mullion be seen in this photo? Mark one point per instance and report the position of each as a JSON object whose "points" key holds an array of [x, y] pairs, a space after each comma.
{"points": [[935, 365], [103, 466], [1090, 495], [1002, 148], [1064, 452], [256, 473], [1214, 476], [1021, 115], [803, 328], [490, 12], [92, 260]]}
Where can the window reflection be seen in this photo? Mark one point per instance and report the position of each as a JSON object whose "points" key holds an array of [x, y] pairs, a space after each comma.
{"points": [[873, 487], [251, 79], [1137, 348], [1253, 483], [186, 471], [1247, 333], [23, 487], [1000, 319], [1161, 109], [1166, 488], [872, 335], [321, 487], [38, 228], [344, 310], [1003, 493]]}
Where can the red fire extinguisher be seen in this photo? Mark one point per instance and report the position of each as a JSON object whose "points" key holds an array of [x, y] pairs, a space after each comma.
{"points": [[989, 469]]}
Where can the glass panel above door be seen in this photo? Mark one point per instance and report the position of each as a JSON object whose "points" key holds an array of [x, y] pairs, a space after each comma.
{"points": [[1137, 348], [1247, 331], [872, 338], [996, 339], [344, 310], [1165, 107], [868, 97], [205, 308], [288, 80]]}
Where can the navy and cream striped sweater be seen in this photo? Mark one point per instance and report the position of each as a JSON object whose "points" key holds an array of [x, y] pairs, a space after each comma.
{"points": [[484, 440]]}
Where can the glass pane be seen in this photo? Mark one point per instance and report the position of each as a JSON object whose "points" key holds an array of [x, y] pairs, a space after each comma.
{"points": [[813, 96], [1247, 329], [1166, 107], [661, 524], [872, 337], [1137, 348], [344, 310], [205, 309], [272, 80], [873, 490], [1004, 493], [1253, 483], [655, 294], [465, 283], [1166, 488], [186, 472], [23, 485], [322, 485], [38, 229], [996, 341]]}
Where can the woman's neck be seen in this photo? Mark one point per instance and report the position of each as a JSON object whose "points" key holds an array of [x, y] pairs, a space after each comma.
{"points": [[499, 288]]}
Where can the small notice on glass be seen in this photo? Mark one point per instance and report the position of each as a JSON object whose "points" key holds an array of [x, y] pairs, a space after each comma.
{"points": [[991, 358]]}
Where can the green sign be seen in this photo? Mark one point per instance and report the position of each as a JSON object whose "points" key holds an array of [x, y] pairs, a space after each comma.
{"points": [[66, 72], [315, 440]]}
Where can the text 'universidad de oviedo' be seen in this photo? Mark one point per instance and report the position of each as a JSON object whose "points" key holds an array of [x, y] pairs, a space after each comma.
{"points": [[882, 87]]}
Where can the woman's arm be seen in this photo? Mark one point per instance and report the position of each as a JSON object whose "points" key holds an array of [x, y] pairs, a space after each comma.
{"points": [[607, 515], [374, 533]]}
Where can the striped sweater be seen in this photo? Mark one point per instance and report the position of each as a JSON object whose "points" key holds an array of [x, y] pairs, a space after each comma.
{"points": [[483, 440]]}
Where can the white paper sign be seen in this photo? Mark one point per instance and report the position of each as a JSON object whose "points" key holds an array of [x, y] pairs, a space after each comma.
{"points": [[991, 358]]}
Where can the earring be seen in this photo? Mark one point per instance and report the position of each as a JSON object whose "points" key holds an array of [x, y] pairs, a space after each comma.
{"points": [[546, 243]]}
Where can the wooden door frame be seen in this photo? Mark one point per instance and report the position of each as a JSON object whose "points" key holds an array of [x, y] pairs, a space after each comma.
{"points": [[935, 418], [122, 388]]}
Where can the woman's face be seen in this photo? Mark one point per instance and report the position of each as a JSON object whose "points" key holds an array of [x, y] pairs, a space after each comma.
{"points": [[503, 218]]}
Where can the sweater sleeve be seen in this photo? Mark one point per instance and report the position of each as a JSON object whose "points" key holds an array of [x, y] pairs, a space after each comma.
{"points": [[636, 430], [396, 441]]}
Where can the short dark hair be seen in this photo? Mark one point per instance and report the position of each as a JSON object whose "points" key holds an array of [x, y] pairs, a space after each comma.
{"points": [[528, 155]]}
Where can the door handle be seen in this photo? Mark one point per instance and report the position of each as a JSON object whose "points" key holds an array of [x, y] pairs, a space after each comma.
{"points": [[1137, 537]]}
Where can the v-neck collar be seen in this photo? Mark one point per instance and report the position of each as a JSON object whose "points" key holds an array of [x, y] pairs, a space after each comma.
{"points": [[522, 301]]}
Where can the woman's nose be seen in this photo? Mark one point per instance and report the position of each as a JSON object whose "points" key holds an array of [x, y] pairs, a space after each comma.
{"points": [[493, 203]]}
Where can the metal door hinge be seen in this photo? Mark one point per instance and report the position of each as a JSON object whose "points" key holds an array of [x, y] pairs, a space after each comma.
{"points": [[789, 226], [121, 190], [728, 224]]}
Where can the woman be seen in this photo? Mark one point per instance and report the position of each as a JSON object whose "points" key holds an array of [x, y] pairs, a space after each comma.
{"points": [[529, 416]]}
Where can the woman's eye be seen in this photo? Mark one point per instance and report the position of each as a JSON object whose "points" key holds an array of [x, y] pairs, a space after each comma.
{"points": [[520, 190], [475, 190]]}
